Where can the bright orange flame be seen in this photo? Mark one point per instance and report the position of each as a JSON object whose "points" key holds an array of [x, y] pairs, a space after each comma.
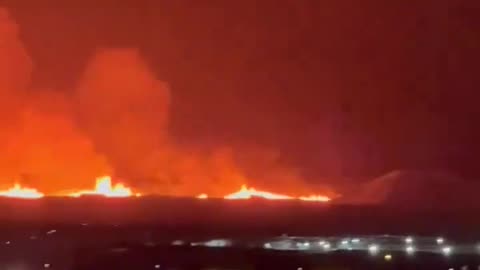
{"points": [[314, 198], [202, 196], [103, 187], [248, 193], [18, 191]]}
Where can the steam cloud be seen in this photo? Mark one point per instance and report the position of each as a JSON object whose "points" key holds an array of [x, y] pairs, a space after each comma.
{"points": [[115, 122]]}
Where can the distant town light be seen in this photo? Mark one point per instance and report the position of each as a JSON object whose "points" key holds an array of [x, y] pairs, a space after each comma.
{"points": [[409, 240], [410, 250], [388, 257], [447, 250], [440, 240], [373, 249], [217, 243], [177, 243]]}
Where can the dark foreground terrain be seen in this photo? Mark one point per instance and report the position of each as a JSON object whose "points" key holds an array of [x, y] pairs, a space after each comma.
{"points": [[60, 233], [252, 217]]}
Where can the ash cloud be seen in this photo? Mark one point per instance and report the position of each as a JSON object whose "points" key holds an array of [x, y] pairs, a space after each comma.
{"points": [[123, 108], [40, 143], [114, 122]]}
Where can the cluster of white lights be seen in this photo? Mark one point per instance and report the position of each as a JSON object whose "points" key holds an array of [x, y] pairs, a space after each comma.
{"points": [[324, 244], [374, 245], [304, 245]]}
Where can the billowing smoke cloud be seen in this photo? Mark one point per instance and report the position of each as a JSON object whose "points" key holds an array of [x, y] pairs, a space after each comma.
{"points": [[124, 110], [115, 122], [40, 143], [15, 71], [16, 66]]}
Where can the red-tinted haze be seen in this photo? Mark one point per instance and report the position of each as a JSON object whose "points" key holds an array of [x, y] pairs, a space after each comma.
{"points": [[114, 122]]}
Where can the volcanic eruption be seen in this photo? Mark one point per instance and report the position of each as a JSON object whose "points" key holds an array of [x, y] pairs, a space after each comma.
{"points": [[115, 121]]}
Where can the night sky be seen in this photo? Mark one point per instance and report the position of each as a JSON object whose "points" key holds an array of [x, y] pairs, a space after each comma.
{"points": [[340, 88]]}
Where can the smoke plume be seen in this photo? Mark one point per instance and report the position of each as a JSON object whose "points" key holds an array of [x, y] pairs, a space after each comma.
{"points": [[40, 143], [115, 121]]}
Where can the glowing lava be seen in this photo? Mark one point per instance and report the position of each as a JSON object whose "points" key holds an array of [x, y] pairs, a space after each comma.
{"points": [[314, 198], [202, 196], [18, 191], [248, 193], [103, 187]]}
